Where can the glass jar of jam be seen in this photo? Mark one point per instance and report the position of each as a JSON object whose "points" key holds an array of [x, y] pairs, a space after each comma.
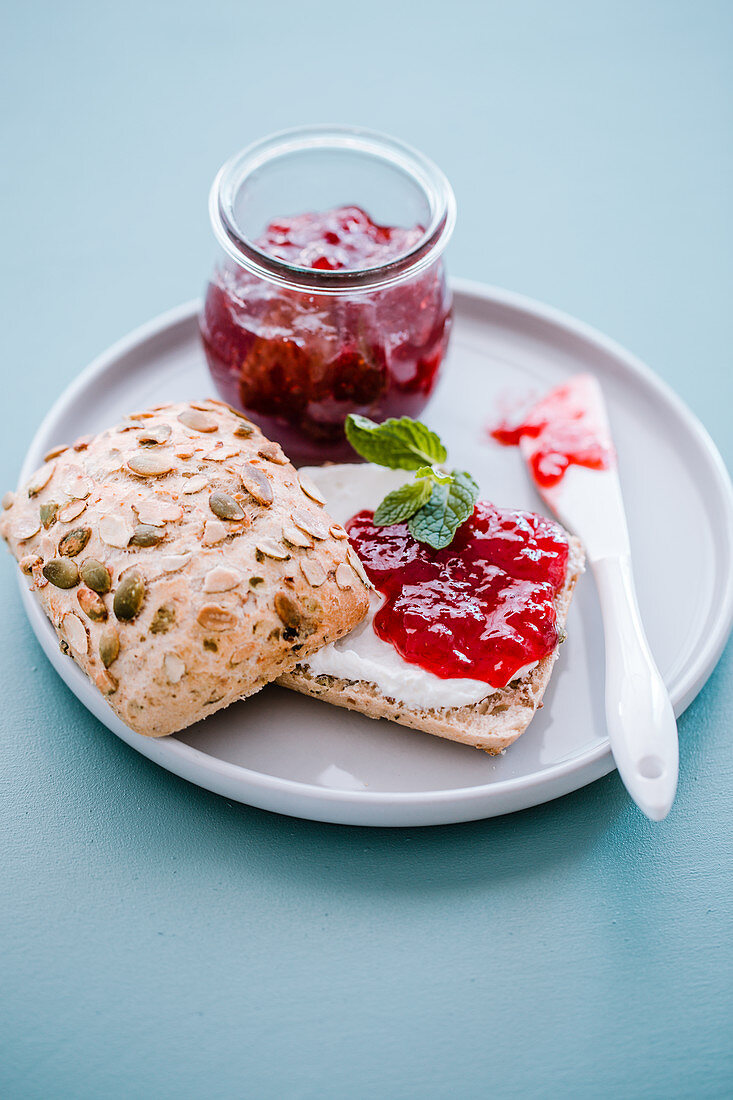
{"points": [[329, 295]]}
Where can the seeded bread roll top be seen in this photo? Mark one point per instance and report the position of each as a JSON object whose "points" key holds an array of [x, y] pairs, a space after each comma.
{"points": [[183, 561]]}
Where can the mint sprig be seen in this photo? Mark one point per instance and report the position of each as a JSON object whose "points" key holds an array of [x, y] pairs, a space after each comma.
{"points": [[437, 502], [448, 507]]}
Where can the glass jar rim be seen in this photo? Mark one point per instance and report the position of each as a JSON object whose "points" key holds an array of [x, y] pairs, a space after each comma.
{"points": [[423, 171]]}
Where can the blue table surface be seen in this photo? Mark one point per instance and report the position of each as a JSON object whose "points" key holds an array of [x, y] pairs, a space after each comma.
{"points": [[158, 941]]}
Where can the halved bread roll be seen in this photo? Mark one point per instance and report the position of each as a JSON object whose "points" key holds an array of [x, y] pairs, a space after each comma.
{"points": [[491, 725]]}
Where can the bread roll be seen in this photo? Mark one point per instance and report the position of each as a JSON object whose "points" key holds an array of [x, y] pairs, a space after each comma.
{"points": [[182, 561]]}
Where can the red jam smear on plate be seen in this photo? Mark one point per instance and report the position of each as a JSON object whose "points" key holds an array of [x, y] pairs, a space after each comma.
{"points": [[481, 609], [299, 363], [567, 432]]}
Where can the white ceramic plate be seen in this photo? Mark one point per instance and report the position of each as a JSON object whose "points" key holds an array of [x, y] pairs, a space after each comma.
{"points": [[298, 756]]}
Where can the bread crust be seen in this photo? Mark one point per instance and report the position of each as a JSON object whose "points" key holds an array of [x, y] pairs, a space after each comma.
{"points": [[492, 724], [222, 566]]}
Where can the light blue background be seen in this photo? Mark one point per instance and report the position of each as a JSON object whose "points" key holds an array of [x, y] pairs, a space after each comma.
{"points": [[160, 942]]}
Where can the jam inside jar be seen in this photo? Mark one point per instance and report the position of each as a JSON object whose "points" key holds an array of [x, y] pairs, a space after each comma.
{"points": [[314, 315]]}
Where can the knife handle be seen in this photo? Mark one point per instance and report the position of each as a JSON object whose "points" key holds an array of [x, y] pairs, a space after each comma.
{"points": [[641, 723]]}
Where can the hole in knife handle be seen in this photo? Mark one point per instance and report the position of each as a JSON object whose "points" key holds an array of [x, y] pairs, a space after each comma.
{"points": [[651, 767]]}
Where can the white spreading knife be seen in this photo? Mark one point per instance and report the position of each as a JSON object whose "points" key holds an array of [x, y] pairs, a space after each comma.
{"points": [[639, 715]]}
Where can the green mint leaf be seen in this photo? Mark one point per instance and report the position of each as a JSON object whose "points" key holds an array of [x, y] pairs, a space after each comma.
{"points": [[402, 503], [437, 473], [448, 507], [403, 444], [466, 486]]}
